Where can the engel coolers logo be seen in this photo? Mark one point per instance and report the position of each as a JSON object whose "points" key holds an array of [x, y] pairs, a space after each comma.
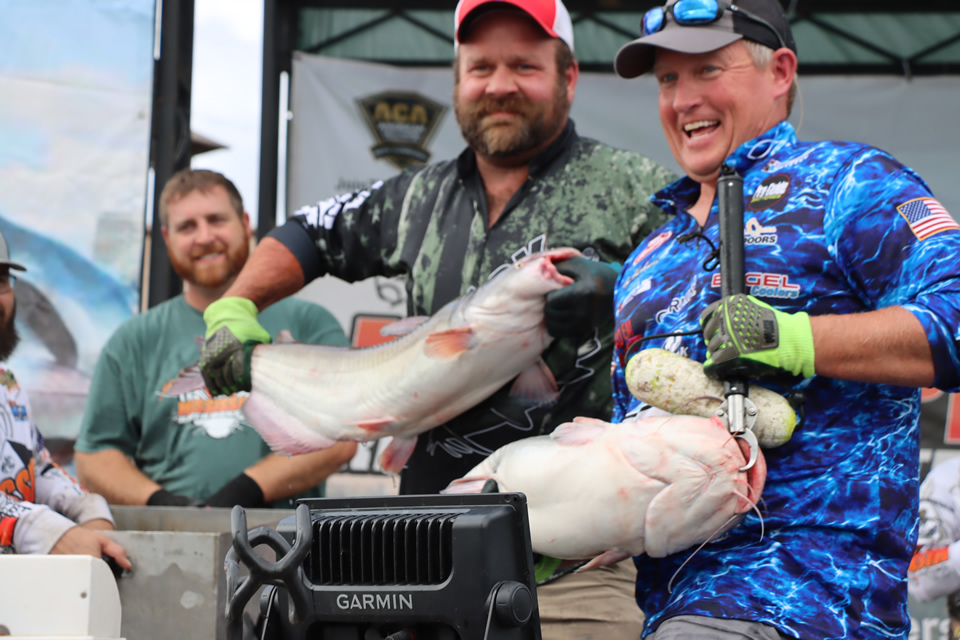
{"points": [[770, 192], [402, 123], [363, 601], [766, 285]]}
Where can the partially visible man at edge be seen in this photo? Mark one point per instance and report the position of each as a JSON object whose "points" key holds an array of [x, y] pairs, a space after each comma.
{"points": [[42, 509], [137, 448], [852, 299], [526, 182]]}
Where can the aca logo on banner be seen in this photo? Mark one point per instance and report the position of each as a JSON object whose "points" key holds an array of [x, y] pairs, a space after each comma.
{"points": [[402, 123]]}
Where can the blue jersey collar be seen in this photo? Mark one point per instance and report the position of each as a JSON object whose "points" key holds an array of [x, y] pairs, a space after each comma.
{"points": [[683, 193]]}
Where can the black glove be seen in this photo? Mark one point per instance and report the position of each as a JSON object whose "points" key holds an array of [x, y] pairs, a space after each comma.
{"points": [[583, 305], [163, 498], [242, 490]]}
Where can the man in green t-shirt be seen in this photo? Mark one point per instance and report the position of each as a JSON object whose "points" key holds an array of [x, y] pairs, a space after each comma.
{"points": [[136, 447]]}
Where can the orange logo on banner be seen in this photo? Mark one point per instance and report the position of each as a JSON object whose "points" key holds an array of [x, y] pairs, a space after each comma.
{"points": [[366, 330]]}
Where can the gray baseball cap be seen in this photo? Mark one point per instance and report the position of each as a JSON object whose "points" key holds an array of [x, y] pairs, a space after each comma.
{"points": [[5, 256], [636, 58]]}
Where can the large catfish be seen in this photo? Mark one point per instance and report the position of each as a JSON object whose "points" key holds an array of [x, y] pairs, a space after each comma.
{"points": [[609, 491], [308, 397]]}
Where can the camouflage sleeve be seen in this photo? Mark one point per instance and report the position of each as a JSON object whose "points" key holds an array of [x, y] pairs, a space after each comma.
{"points": [[646, 177], [350, 235]]}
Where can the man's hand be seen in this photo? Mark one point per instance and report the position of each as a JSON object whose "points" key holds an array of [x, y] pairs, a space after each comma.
{"points": [[232, 333], [242, 490], [748, 338], [583, 305], [86, 542]]}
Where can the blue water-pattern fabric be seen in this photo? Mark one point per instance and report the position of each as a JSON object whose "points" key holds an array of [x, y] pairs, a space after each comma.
{"points": [[823, 235]]}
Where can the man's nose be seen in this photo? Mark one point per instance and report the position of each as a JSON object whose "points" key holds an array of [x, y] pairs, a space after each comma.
{"points": [[205, 234], [686, 95], [502, 81]]}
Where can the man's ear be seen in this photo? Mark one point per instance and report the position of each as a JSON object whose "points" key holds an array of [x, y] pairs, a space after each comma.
{"points": [[784, 69], [573, 74], [246, 225]]}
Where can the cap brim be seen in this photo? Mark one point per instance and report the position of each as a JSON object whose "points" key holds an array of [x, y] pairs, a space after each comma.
{"points": [[12, 265], [636, 58]]}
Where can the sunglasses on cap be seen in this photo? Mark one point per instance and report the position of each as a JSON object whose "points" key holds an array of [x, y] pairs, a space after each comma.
{"points": [[693, 13]]}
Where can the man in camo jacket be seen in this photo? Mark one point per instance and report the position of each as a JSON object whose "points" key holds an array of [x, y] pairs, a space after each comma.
{"points": [[526, 182]]}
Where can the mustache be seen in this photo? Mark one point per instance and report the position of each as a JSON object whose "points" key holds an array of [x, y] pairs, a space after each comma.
{"points": [[216, 247], [489, 105]]}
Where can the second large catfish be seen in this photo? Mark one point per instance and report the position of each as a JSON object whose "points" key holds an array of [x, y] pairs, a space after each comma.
{"points": [[307, 397]]}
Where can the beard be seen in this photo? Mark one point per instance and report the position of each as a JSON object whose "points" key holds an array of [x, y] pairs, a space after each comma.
{"points": [[535, 124], [215, 275], [9, 338]]}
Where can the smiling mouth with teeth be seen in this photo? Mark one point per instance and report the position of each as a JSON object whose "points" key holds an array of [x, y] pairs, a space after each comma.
{"points": [[699, 128]]}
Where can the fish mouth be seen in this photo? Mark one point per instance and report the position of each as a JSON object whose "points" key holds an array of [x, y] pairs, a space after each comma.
{"points": [[548, 267]]}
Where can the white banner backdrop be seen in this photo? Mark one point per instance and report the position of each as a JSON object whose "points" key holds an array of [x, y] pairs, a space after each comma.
{"points": [[76, 83], [333, 136]]}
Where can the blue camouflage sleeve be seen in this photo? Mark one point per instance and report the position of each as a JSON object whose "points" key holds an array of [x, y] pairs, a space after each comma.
{"points": [[897, 247]]}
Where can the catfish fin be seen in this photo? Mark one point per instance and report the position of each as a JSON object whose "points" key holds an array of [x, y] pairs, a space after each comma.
{"points": [[189, 379], [375, 425], [472, 484], [283, 432], [611, 556], [395, 456], [579, 432], [536, 385], [285, 337], [403, 326], [443, 345]]}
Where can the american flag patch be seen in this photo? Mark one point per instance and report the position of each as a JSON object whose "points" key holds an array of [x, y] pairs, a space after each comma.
{"points": [[926, 217]]}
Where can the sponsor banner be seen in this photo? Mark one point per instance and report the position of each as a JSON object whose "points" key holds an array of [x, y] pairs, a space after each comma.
{"points": [[75, 131]]}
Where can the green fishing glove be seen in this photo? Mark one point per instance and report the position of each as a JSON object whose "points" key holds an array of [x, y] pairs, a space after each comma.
{"points": [[748, 338], [232, 333], [584, 304]]}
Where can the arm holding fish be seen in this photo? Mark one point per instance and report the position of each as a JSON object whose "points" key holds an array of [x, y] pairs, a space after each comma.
{"points": [[276, 477], [282, 264], [909, 335], [887, 346]]}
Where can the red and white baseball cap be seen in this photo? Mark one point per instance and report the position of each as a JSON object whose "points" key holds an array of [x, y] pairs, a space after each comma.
{"points": [[551, 15]]}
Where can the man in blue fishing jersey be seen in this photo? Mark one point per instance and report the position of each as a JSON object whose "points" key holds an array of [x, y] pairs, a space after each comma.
{"points": [[853, 292]]}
